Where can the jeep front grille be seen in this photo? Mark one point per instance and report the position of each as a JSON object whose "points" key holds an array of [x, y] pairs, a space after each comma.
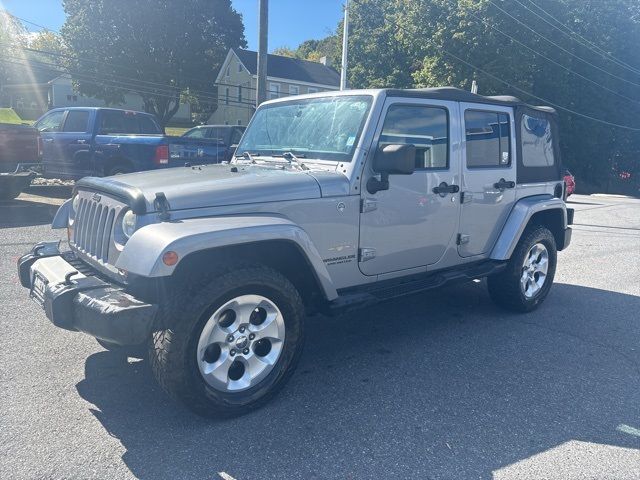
{"points": [[93, 228]]}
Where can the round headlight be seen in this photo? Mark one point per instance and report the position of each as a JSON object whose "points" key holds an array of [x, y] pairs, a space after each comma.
{"points": [[75, 203], [129, 223]]}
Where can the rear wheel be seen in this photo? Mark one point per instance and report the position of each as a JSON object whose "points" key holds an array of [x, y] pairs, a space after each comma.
{"points": [[119, 169], [235, 344], [527, 279]]}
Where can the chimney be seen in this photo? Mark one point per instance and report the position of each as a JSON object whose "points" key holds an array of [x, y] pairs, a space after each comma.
{"points": [[323, 60]]}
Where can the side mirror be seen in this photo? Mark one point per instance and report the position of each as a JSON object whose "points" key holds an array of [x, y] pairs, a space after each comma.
{"points": [[391, 160]]}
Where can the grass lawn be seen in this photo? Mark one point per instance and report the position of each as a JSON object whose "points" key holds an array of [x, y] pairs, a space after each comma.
{"points": [[7, 115], [175, 131]]}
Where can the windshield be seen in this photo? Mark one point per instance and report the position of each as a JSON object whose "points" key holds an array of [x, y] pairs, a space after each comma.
{"points": [[326, 128]]}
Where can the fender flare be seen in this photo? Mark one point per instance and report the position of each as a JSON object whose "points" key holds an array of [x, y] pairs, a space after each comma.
{"points": [[518, 220], [142, 254], [61, 218]]}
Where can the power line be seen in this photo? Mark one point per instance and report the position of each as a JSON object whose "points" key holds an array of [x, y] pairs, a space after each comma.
{"points": [[124, 86], [584, 42], [599, 120], [599, 85], [562, 48]]}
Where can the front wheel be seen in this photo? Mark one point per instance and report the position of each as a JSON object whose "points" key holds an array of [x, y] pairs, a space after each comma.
{"points": [[234, 346], [525, 282]]}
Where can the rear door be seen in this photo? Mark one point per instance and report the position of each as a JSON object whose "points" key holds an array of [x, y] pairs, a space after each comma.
{"points": [[488, 176], [49, 126]]}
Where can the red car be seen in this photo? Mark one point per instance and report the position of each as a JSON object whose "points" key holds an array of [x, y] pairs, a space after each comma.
{"points": [[570, 182]]}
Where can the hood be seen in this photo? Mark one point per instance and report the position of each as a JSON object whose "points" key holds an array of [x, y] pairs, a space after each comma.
{"points": [[217, 185]]}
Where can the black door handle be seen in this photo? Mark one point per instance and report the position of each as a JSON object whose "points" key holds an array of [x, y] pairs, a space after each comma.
{"points": [[443, 189], [502, 184]]}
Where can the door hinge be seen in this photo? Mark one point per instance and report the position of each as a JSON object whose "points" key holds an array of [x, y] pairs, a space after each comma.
{"points": [[368, 205], [462, 239], [466, 197], [365, 254]]}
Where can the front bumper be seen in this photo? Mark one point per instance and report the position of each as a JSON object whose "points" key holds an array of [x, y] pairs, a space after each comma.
{"points": [[80, 301]]}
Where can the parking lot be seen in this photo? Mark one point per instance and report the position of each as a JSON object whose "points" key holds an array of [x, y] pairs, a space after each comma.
{"points": [[441, 385]]}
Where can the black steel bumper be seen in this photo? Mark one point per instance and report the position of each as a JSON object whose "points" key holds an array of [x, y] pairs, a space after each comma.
{"points": [[83, 303]]}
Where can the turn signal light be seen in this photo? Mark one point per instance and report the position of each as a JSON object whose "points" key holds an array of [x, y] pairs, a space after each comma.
{"points": [[170, 258]]}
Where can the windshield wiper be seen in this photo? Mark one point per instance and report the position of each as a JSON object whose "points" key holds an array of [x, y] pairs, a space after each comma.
{"points": [[249, 156], [293, 159]]}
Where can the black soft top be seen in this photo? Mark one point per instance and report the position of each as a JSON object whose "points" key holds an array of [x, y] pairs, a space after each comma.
{"points": [[459, 95]]}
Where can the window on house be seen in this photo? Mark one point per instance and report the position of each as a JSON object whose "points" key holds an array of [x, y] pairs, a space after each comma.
{"points": [[76, 121], [228, 72], [75, 98], [226, 96], [537, 145], [69, 98], [487, 138], [239, 122], [239, 67], [312, 90], [239, 94], [294, 90], [425, 127], [274, 90]]}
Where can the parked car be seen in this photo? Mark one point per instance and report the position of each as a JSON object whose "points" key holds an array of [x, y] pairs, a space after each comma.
{"points": [[569, 182], [83, 141], [20, 152], [334, 201], [227, 135]]}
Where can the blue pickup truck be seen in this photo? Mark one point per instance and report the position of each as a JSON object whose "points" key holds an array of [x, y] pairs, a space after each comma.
{"points": [[80, 141]]}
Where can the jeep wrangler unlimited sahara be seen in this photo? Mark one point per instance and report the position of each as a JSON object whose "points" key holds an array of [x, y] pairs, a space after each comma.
{"points": [[333, 201]]}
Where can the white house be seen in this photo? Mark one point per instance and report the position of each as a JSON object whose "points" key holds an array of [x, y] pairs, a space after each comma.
{"points": [[237, 81]]}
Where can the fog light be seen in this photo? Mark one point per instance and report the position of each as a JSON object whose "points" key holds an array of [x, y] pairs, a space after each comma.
{"points": [[170, 258]]}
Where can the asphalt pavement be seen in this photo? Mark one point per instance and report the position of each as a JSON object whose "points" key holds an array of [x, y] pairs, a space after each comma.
{"points": [[442, 385]]}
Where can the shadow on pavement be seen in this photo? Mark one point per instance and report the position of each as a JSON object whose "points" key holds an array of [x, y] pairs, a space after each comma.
{"points": [[24, 212], [442, 385]]}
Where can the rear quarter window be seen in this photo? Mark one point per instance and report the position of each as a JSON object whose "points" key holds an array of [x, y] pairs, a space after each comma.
{"points": [[537, 142]]}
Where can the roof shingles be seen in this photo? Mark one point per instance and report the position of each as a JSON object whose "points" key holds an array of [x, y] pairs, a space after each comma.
{"points": [[291, 68]]}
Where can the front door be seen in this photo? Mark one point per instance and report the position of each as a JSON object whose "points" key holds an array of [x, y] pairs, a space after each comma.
{"points": [[488, 178], [410, 225]]}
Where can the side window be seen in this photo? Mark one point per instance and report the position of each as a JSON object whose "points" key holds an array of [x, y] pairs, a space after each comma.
{"points": [[197, 133], [425, 127], [115, 121], [488, 141], [147, 125], [51, 122], [235, 136], [537, 145], [77, 121]]}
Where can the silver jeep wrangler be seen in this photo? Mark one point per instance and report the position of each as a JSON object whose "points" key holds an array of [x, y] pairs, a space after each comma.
{"points": [[333, 201]]}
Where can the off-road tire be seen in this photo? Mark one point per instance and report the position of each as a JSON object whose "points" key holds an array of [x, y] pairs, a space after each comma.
{"points": [[504, 287], [133, 351], [172, 352]]}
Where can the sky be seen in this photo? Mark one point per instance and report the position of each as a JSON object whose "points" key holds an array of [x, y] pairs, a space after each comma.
{"points": [[290, 21]]}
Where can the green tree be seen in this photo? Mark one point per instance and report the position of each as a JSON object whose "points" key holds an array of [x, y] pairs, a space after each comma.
{"points": [[160, 49], [12, 36], [428, 43]]}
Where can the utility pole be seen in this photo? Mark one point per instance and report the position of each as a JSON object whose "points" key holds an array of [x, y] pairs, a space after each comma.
{"points": [[345, 47], [263, 25]]}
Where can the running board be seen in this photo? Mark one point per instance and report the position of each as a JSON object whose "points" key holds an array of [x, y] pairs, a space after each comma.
{"points": [[366, 295]]}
